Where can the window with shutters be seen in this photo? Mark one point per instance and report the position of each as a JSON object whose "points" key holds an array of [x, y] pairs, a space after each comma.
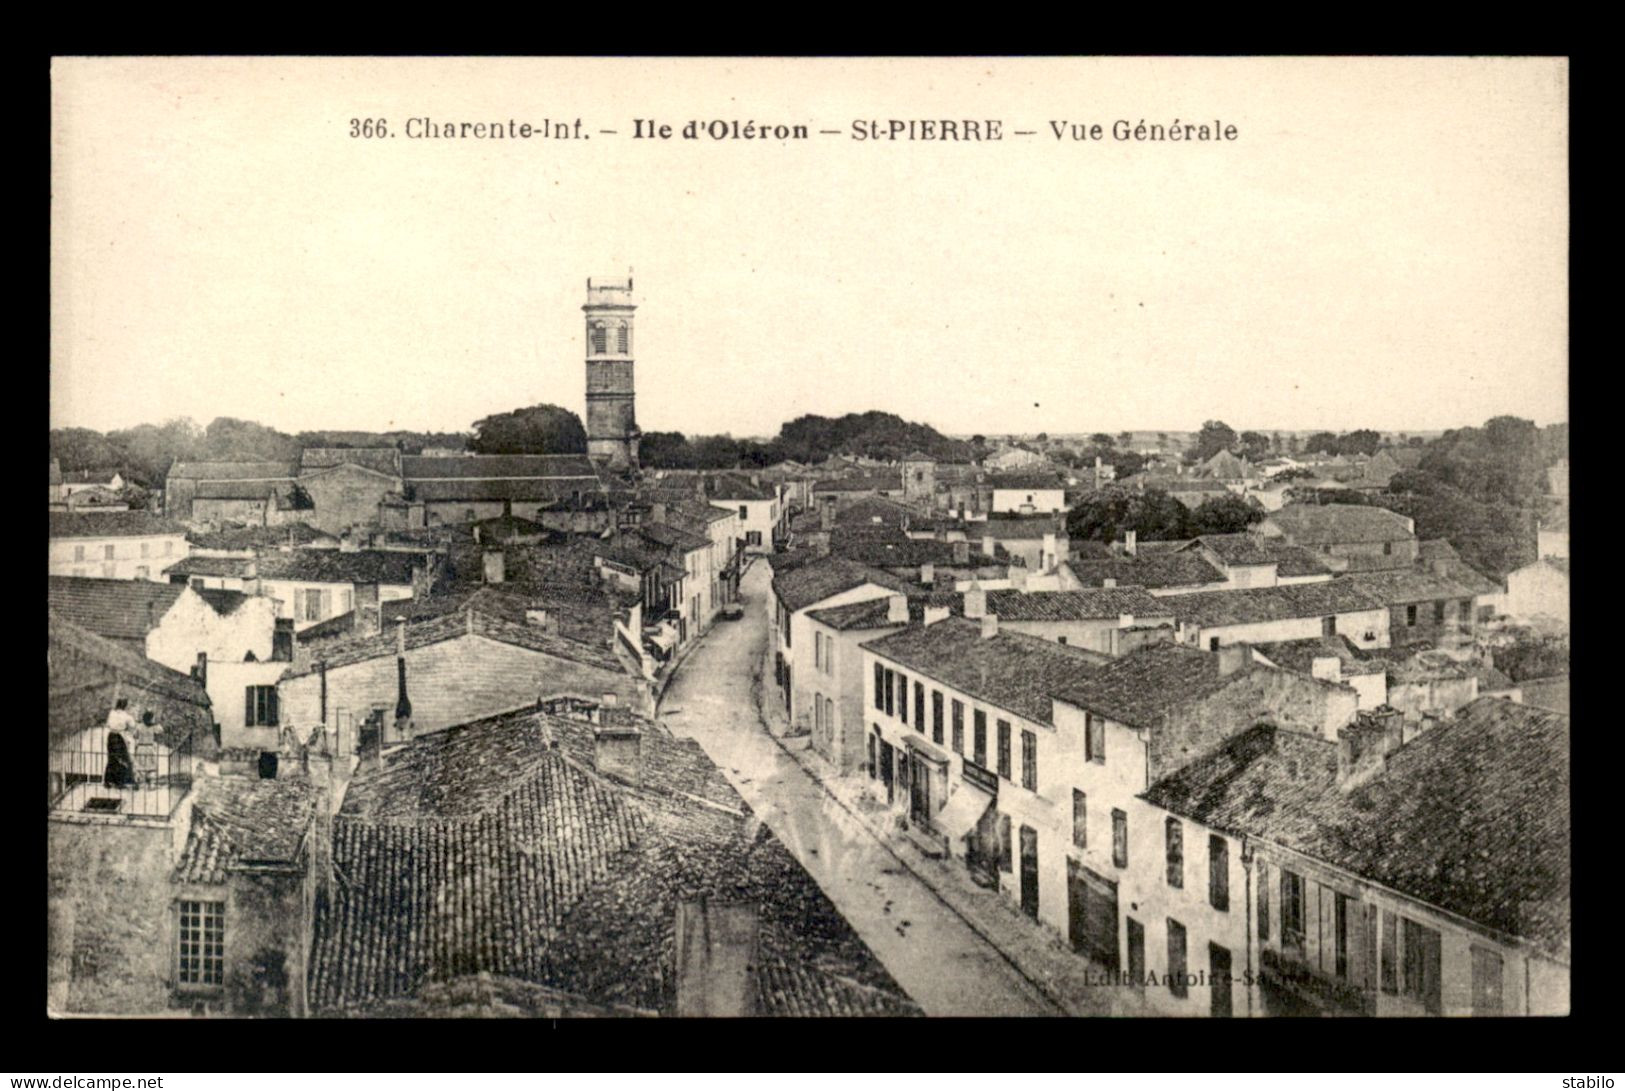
{"points": [[959, 727], [201, 950], [1029, 761], [1218, 873], [1420, 968], [979, 737], [891, 688], [1004, 748], [902, 697], [1438, 612], [936, 716], [1263, 901], [1004, 842], [1488, 974], [1390, 954], [623, 339], [1291, 908], [600, 339], [1119, 838], [1094, 738], [1080, 819], [1176, 959], [260, 709], [919, 708], [880, 688], [1136, 953], [1175, 838], [1340, 935], [313, 605]]}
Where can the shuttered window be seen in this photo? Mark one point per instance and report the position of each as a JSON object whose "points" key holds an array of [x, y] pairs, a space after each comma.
{"points": [[1176, 958], [979, 737], [1004, 748], [1119, 838], [959, 727], [1029, 761], [1094, 738], [1080, 819], [1218, 873], [880, 688], [1175, 838], [261, 707], [919, 708], [936, 716]]}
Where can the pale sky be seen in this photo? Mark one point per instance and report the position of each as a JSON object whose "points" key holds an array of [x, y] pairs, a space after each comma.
{"points": [[1384, 245]]}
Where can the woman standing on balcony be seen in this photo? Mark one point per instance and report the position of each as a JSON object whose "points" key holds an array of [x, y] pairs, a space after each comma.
{"points": [[119, 771]]}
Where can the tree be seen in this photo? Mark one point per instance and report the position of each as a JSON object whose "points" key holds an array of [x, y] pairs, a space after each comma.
{"points": [[82, 449], [1101, 439], [1214, 437], [1255, 445], [1363, 441], [1499, 463], [1227, 514], [1103, 516], [535, 430], [233, 440], [1494, 538], [1125, 440], [1321, 443], [665, 451]]}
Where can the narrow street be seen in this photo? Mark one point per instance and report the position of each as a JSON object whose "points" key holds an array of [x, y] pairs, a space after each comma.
{"points": [[932, 953]]}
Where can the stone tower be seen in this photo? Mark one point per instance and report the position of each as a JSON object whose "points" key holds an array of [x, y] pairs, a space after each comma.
{"points": [[612, 428]]}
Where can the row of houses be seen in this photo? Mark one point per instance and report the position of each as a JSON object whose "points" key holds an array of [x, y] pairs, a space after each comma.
{"points": [[1211, 767]]}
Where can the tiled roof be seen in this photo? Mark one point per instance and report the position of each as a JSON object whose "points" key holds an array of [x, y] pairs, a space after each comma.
{"points": [[582, 613], [88, 674], [905, 553], [885, 482], [1153, 571], [668, 536], [111, 524], [339, 566], [89, 477], [384, 460], [501, 528], [345, 650], [242, 490], [1025, 481], [472, 489], [1295, 560], [1472, 816], [115, 609], [1207, 609], [245, 820], [875, 613], [1012, 670], [1232, 549], [495, 848], [1299, 655], [224, 567], [235, 471], [1340, 524], [420, 469], [739, 487], [1015, 528], [1092, 603], [239, 537], [1407, 585], [1138, 688], [821, 577]]}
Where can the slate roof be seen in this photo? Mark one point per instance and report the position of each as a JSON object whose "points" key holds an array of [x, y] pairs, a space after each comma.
{"points": [[1088, 604], [820, 577], [342, 651], [496, 848], [1340, 524], [244, 821], [1208, 609], [875, 613], [1298, 656], [111, 524], [235, 471], [88, 673], [384, 460], [1472, 816], [1154, 571], [115, 609], [1014, 671]]}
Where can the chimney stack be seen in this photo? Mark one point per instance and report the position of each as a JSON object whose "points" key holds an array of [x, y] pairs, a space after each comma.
{"points": [[897, 609], [975, 602], [1049, 559], [369, 617], [251, 577], [495, 566], [1131, 542], [422, 583], [617, 752], [987, 545], [349, 542], [928, 573], [403, 704], [1125, 621], [1234, 657], [826, 513], [1018, 578], [370, 744], [202, 669], [1109, 581], [934, 614], [990, 626], [1364, 745], [1327, 668]]}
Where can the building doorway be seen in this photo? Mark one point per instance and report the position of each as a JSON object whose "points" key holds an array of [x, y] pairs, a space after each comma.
{"points": [[1218, 959], [1091, 902], [1029, 871], [886, 770]]}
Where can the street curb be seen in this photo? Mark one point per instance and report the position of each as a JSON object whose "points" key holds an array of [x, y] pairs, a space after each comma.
{"points": [[1045, 990]]}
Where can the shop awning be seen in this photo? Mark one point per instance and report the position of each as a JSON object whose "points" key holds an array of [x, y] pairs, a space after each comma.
{"points": [[962, 812]]}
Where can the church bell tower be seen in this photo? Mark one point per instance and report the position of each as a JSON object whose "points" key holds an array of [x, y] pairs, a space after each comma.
{"points": [[612, 428]]}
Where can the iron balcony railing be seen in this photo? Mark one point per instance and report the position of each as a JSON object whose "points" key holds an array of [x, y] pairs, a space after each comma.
{"points": [[148, 780]]}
